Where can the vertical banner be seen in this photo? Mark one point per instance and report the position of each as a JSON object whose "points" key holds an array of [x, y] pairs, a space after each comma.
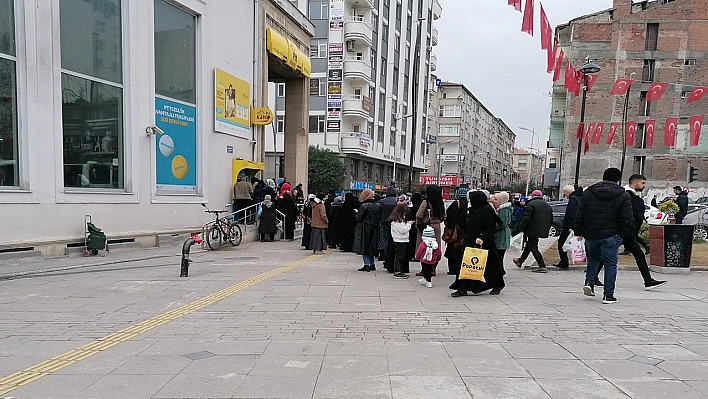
{"points": [[335, 64], [232, 113], [176, 157]]}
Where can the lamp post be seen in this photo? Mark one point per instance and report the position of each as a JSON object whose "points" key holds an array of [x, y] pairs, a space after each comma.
{"points": [[530, 164], [416, 78], [588, 68], [624, 126]]}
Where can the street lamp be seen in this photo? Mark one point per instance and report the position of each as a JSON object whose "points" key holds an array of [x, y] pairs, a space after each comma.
{"points": [[416, 79], [530, 164], [588, 68], [624, 125]]}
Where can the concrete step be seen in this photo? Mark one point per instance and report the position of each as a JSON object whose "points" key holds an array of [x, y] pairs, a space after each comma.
{"points": [[124, 247], [15, 255]]}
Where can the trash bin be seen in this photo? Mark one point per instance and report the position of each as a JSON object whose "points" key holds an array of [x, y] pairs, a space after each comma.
{"points": [[674, 243]]}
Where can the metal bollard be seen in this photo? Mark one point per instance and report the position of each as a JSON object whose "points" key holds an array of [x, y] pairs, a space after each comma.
{"points": [[186, 247]]}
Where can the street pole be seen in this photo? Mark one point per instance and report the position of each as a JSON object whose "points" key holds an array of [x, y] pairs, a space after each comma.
{"points": [[439, 163], [582, 123], [416, 78], [624, 126]]}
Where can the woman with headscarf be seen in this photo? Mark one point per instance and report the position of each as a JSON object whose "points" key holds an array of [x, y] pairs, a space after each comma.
{"points": [[416, 200], [456, 216], [285, 187], [518, 211], [366, 233], [333, 237], [267, 221], [503, 234], [431, 213], [319, 222], [307, 215], [480, 231], [288, 207], [347, 222], [270, 190]]}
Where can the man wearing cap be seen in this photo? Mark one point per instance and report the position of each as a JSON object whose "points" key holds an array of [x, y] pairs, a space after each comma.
{"points": [[682, 202], [604, 219], [535, 224]]}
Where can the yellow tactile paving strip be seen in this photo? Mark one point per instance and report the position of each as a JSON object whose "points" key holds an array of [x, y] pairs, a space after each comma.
{"points": [[31, 374]]}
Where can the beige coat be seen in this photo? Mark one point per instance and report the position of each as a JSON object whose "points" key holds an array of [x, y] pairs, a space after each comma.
{"points": [[434, 223], [243, 190], [319, 217]]}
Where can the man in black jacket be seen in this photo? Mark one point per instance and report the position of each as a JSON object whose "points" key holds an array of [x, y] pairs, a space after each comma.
{"points": [[535, 224], [682, 202], [574, 197], [604, 218]]}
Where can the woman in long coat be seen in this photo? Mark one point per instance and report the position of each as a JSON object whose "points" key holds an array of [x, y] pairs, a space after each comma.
{"points": [[333, 236], [318, 240], [347, 222], [481, 231], [506, 214], [366, 233], [287, 206], [307, 215], [432, 210], [456, 216], [267, 228]]}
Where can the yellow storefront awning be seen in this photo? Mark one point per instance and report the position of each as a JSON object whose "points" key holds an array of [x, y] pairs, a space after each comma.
{"points": [[288, 52]]}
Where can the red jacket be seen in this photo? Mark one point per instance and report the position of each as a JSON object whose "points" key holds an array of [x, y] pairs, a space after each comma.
{"points": [[420, 254]]}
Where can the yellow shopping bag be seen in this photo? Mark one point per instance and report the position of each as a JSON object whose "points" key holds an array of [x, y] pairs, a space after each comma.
{"points": [[474, 262]]}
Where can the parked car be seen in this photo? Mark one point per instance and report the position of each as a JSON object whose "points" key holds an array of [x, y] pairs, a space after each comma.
{"points": [[558, 208], [702, 201]]}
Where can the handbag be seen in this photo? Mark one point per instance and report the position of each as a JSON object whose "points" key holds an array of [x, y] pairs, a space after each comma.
{"points": [[474, 263], [454, 236], [425, 223]]}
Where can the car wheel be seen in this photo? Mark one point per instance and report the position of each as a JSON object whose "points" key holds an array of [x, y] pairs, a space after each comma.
{"points": [[554, 231], [701, 232]]}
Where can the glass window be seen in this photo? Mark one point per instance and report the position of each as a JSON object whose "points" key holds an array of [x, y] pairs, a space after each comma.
{"points": [[175, 71], [91, 38], [7, 27], [92, 110], [280, 123]]}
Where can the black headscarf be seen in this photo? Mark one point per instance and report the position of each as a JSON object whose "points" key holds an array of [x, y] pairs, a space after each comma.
{"points": [[433, 195], [477, 200]]}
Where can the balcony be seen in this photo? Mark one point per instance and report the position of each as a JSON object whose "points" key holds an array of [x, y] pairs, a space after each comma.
{"points": [[433, 62], [434, 37], [356, 105], [555, 143], [358, 29], [352, 143], [367, 4], [357, 68], [437, 9], [558, 115]]}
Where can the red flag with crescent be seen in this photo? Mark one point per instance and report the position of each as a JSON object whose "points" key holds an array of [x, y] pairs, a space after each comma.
{"points": [[613, 130], [516, 4], [578, 81], [697, 94], [631, 132], [546, 31], [527, 22], [597, 134], [621, 86], [589, 131], [592, 79], [552, 56], [581, 131], [650, 129], [696, 125], [656, 90], [670, 132], [586, 147], [569, 75], [559, 64]]}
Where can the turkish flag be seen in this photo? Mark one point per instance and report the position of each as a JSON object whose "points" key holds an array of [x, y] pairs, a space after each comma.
{"points": [[527, 23], [613, 130], [579, 82], [631, 132], [656, 90], [670, 132], [569, 76], [697, 94], [597, 134], [591, 81], [587, 147], [559, 64], [581, 131], [696, 125], [591, 130], [552, 56], [546, 31], [621, 86], [516, 4], [650, 129]]}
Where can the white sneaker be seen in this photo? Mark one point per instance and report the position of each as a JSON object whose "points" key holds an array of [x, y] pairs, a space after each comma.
{"points": [[422, 280], [428, 284]]}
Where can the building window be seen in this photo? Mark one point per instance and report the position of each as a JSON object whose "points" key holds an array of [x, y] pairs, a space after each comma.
{"points": [[319, 9], [397, 43], [652, 37], [689, 62], [318, 87], [318, 48], [648, 71], [395, 76], [685, 94], [280, 123], [92, 94], [8, 97], [449, 130], [450, 111], [281, 90], [403, 144], [317, 123], [380, 135]]}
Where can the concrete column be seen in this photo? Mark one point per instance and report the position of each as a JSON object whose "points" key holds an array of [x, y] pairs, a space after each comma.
{"points": [[297, 113]]}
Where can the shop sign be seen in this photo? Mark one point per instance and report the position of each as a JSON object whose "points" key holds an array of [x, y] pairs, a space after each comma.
{"points": [[336, 49], [262, 116], [360, 185], [432, 139], [365, 139], [336, 25], [335, 62], [176, 155], [334, 126], [444, 180], [233, 105], [450, 158], [334, 88], [335, 75], [366, 104], [334, 114]]}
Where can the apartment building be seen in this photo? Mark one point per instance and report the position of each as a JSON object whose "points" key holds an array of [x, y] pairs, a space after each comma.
{"points": [[529, 166], [467, 144], [648, 41], [362, 88]]}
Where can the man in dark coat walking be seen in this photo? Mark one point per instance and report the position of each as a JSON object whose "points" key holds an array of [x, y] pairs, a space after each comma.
{"points": [[574, 197], [535, 224], [682, 202], [604, 219]]}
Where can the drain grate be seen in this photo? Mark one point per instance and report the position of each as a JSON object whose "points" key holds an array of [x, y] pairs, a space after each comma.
{"points": [[199, 355]]}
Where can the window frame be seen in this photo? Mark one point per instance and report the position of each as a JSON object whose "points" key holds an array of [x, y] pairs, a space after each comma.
{"points": [[17, 59]]}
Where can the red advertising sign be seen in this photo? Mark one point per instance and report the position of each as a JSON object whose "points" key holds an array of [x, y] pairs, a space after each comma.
{"points": [[444, 180]]}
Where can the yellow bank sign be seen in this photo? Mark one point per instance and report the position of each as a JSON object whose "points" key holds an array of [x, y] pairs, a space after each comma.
{"points": [[261, 116]]}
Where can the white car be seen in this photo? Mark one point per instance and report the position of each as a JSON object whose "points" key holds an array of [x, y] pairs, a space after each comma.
{"points": [[653, 215]]}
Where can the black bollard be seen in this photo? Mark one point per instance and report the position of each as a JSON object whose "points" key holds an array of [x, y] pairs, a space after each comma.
{"points": [[194, 239]]}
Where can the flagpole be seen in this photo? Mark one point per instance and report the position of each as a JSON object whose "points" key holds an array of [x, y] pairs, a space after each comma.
{"points": [[624, 127]]}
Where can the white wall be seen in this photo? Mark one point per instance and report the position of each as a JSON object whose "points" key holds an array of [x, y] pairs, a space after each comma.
{"points": [[42, 210]]}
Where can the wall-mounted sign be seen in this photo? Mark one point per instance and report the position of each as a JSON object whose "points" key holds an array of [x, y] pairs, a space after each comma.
{"points": [[336, 10], [334, 114], [432, 139], [229, 149], [335, 62], [314, 87], [365, 139], [450, 158], [262, 116], [336, 25], [335, 75], [334, 88], [333, 126], [444, 180], [366, 104], [233, 105], [331, 103], [336, 49]]}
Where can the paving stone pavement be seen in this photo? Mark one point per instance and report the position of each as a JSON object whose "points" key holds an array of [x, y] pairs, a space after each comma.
{"points": [[324, 330]]}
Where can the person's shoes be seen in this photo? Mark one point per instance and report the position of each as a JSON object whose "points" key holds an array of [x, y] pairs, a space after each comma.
{"points": [[415, 261], [496, 291], [400, 275], [647, 250], [422, 280], [451, 274], [540, 270], [372, 268], [625, 253], [518, 262], [653, 284], [419, 274], [458, 294], [598, 283], [429, 284], [589, 290], [609, 299], [365, 269], [560, 266]]}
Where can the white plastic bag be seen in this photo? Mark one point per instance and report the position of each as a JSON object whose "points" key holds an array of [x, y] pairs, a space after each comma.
{"points": [[567, 245], [517, 241], [577, 251]]}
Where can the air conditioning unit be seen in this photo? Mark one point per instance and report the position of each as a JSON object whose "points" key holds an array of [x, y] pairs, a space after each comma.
{"points": [[350, 46]]}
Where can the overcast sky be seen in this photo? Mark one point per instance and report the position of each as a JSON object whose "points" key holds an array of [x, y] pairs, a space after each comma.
{"points": [[481, 45]]}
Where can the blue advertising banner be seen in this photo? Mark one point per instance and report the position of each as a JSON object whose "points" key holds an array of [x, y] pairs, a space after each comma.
{"points": [[176, 158]]}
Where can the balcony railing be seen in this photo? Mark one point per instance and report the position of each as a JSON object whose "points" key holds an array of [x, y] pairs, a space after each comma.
{"points": [[437, 9], [558, 113], [357, 68], [434, 37], [555, 143], [433, 62], [356, 105], [352, 143], [358, 28]]}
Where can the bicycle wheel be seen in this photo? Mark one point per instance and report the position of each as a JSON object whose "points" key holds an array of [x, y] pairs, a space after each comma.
{"points": [[214, 238], [235, 234]]}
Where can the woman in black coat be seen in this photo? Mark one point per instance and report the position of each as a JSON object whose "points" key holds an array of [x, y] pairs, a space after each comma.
{"points": [[307, 229], [456, 216], [267, 226], [287, 206], [416, 201], [481, 230], [366, 233], [333, 237], [347, 222]]}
